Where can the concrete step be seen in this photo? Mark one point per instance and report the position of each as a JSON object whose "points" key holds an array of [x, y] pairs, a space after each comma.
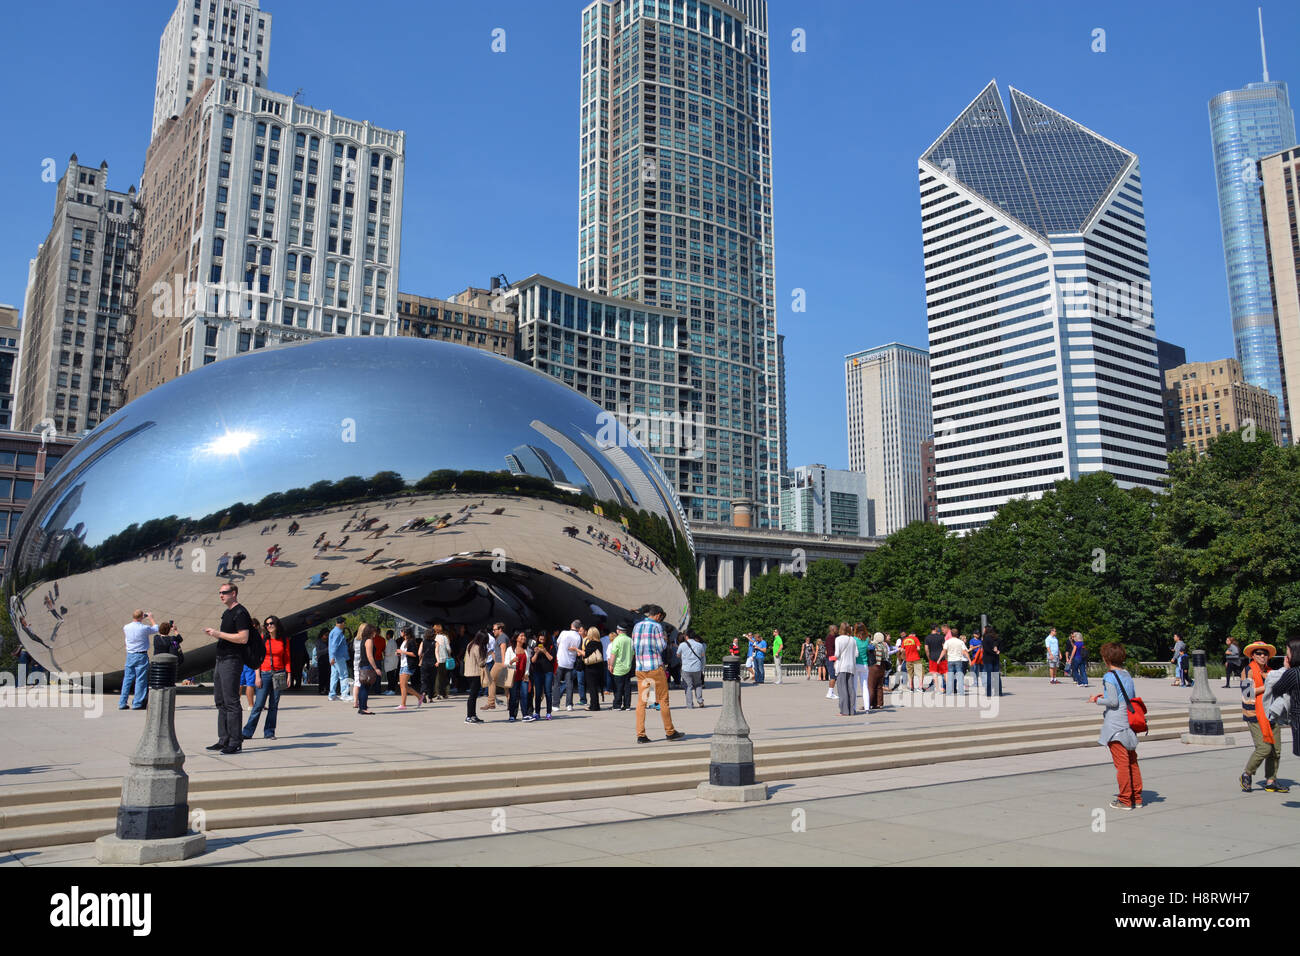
{"points": [[47, 816]]}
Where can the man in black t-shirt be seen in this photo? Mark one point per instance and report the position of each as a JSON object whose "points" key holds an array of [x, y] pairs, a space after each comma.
{"points": [[934, 652], [236, 623]]}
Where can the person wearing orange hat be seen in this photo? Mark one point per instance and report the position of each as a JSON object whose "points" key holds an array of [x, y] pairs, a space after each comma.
{"points": [[1262, 731]]}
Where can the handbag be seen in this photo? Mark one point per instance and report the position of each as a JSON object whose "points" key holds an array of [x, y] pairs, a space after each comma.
{"points": [[368, 676], [595, 657], [280, 679], [1137, 710], [450, 663]]}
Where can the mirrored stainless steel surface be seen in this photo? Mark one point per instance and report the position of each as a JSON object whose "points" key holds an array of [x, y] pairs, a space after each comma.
{"points": [[445, 483]]}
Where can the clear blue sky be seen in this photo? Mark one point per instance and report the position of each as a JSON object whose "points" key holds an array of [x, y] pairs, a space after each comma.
{"points": [[491, 177]]}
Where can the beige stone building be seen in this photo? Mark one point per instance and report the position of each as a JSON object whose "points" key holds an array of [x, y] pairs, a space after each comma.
{"points": [[1204, 399], [81, 290], [467, 318], [1279, 177]]}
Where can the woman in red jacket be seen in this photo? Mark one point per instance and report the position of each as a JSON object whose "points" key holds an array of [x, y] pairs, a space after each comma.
{"points": [[272, 678]]}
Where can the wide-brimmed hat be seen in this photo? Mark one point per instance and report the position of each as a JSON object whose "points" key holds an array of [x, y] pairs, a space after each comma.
{"points": [[1260, 645]]}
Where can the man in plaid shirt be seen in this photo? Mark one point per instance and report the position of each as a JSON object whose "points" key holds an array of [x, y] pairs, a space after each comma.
{"points": [[648, 644]]}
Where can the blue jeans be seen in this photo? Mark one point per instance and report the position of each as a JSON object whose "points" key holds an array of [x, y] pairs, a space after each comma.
{"points": [[992, 679], [1079, 671], [338, 674], [564, 681], [956, 677], [136, 676], [260, 697], [758, 669], [541, 684], [519, 692], [581, 673]]}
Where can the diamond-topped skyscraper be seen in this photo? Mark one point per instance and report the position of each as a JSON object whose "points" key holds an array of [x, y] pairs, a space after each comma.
{"points": [[675, 210], [1038, 297], [1245, 126]]}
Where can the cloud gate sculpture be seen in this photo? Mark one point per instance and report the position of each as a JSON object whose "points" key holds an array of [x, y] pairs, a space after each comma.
{"points": [[438, 482]]}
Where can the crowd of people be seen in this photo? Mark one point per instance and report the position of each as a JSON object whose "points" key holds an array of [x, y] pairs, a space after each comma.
{"points": [[538, 670]]}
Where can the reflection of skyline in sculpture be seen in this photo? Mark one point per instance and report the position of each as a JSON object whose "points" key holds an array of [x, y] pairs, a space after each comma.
{"points": [[463, 535], [598, 480], [531, 460]]}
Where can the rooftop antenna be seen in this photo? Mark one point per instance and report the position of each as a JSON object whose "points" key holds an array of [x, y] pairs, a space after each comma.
{"points": [[1262, 55]]}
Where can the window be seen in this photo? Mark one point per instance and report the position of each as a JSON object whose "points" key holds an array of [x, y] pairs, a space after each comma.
{"points": [[210, 336], [218, 246]]}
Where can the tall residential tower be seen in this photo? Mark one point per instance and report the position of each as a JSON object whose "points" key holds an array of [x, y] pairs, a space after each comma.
{"points": [[675, 210], [1245, 126], [1038, 294], [888, 394]]}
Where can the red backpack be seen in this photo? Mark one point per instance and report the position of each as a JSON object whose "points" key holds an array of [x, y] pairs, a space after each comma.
{"points": [[1137, 709]]}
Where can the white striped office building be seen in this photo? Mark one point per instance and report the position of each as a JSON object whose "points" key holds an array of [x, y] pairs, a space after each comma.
{"points": [[1042, 338]]}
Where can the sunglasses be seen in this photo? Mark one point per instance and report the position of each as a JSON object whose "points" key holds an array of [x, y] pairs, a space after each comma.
{"points": [[270, 624], [223, 593]]}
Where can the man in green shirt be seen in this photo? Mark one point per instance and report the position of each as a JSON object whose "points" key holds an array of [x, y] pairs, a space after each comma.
{"points": [[620, 668], [778, 646]]}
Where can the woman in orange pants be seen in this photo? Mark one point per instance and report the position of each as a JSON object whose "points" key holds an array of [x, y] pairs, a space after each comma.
{"points": [[1116, 734]]}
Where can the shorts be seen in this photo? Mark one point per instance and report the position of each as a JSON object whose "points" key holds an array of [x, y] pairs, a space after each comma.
{"points": [[939, 667], [406, 669], [1053, 660], [247, 678]]}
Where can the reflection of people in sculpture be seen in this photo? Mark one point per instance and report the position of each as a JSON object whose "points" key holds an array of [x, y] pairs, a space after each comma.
{"points": [[293, 528], [372, 554], [566, 569], [339, 546], [378, 531], [223, 563], [316, 580]]}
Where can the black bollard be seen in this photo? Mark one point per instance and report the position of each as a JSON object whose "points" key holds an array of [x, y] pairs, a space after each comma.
{"points": [[153, 818], [731, 753]]}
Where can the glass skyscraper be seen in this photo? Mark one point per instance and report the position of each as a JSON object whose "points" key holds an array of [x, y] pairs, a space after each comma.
{"points": [[1038, 298], [675, 210], [1245, 126]]}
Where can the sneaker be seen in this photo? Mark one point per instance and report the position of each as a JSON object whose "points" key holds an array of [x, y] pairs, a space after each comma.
{"points": [[656, 706], [643, 740], [830, 695], [509, 720], [1276, 787], [227, 751], [1116, 805], [548, 716], [473, 720], [390, 693], [1245, 781], [216, 746], [835, 696], [336, 698], [270, 737], [530, 717], [675, 735], [569, 708]]}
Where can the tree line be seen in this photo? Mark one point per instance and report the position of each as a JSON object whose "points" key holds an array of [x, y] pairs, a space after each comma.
{"points": [[1216, 554]]}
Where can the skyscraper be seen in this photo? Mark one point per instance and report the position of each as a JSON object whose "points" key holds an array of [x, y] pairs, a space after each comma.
{"points": [[77, 311], [1279, 177], [888, 394], [1038, 294], [675, 210], [209, 40], [1246, 125], [266, 221]]}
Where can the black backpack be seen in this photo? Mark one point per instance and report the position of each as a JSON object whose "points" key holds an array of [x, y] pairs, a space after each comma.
{"points": [[255, 649]]}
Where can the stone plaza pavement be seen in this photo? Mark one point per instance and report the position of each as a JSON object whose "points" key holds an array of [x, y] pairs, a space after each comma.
{"points": [[1038, 809]]}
